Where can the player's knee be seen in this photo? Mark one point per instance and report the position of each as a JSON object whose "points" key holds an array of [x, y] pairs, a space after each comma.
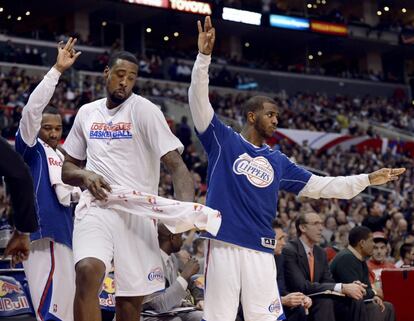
{"points": [[89, 274]]}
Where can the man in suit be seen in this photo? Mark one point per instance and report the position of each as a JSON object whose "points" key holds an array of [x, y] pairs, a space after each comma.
{"points": [[20, 184], [176, 293], [306, 269], [295, 304]]}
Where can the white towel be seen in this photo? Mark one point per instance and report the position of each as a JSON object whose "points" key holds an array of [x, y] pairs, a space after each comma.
{"points": [[65, 193], [177, 216]]}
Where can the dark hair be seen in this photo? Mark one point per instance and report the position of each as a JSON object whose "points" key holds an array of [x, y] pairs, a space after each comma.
{"points": [[123, 55], [301, 220], [404, 249], [50, 110], [357, 234], [276, 224], [255, 103]]}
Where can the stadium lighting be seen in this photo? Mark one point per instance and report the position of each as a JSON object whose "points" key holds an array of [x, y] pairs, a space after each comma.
{"points": [[310, 57], [19, 18], [1, 9], [104, 23], [323, 2], [309, 6], [166, 38], [386, 8], [379, 13], [27, 13], [404, 10], [319, 53], [148, 30], [318, 1], [247, 45], [315, 6], [176, 34], [9, 17]]}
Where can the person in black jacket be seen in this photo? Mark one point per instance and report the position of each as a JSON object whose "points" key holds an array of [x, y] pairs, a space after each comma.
{"points": [[19, 183], [306, 269], [295, 305]]}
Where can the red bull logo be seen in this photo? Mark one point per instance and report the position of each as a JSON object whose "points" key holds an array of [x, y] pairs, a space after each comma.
{"points": [[109, 285], [156, 274], [12, 297], [9, 288]]}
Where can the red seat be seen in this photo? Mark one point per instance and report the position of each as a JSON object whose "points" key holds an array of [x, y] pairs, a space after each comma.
{"points": [[398, 286]]}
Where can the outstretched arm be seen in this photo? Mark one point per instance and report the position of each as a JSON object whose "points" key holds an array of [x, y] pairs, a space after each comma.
{"points": [[200, 106], [32, 113], [347, 187]]}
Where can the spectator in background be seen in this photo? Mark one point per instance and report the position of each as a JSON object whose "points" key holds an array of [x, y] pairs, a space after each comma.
{"points": [[176, 292], [184, 132], [295, 304], [378, 261], [406, 256], [377, 217], [306, 269], [349, 265]]}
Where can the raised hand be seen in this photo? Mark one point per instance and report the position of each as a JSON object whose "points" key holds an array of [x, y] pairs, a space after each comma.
{"points": [[207, 37], [67, 55], [385, 175]]}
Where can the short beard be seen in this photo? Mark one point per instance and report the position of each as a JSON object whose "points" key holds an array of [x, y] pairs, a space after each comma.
{"points": [[116, 100]]}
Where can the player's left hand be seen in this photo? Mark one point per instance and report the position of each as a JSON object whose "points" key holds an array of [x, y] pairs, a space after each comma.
{"points": [[18, 247], [67, 55], [385, 175]]}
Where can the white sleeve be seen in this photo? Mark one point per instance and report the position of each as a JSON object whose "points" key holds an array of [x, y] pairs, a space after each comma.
{"points": [[344, 187], [158, 135], [75, 143], [200, 106], [32, 113]]}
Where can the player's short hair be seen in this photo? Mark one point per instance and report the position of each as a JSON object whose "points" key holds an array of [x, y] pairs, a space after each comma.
{"points": [[255, 103], [404, 249], [357, 234], [122, 55], [51, 110]]}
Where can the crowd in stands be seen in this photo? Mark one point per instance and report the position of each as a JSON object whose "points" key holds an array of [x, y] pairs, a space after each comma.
{"points": [[316, 112]]}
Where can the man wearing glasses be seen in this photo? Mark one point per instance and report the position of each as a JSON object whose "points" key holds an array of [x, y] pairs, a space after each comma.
{"points": [[306, 269]]}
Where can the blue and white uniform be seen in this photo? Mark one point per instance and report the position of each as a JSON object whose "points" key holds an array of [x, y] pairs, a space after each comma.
{"points": [[49, 269], [243, 184]]}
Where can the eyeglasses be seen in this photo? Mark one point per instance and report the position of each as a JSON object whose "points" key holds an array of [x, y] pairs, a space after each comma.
{"points": [[314, 223]]}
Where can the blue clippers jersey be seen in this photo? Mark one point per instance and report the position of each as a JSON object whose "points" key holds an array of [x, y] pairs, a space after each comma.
{"points": [[55, 220], [243, 184]]}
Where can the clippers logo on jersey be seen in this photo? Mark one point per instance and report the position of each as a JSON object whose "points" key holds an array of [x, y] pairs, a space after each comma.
{"points": [[275, 307], [111, 131], [156, 274], [258, 170]]}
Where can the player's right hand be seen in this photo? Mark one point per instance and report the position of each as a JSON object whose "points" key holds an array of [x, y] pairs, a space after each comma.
{"points": [[67, 55], [190, 268], [96, 185], [207, 37]]}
